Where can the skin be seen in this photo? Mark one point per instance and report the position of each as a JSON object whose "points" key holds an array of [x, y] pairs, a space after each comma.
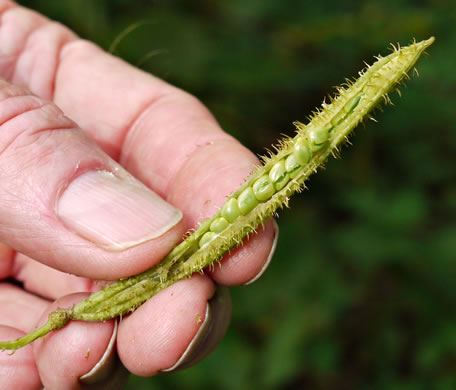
{"points": [[119, 114]]}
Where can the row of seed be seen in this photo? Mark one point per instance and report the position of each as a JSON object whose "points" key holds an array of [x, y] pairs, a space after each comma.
{"points": [[278, 176]]}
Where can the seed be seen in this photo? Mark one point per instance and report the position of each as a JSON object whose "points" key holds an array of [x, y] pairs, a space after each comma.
{"points": [[278, 175], [263, 189], [219, 225], [352, 103], [206, 238], [247, 201], [318, 137], [302, 152], [230, 210], [292, 166]]}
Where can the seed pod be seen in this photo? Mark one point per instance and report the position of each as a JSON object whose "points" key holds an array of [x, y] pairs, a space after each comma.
{"points": [[202, 247], [278, 175], [247, 201]]}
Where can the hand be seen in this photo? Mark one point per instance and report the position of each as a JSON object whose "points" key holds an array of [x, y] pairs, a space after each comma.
{"points": [[82, 205]]}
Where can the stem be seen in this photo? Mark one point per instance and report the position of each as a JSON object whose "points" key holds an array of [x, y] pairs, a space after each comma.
{"points": [[57, 319]]}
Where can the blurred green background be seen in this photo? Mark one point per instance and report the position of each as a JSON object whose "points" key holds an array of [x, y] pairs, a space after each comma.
{"points": [[361, 292]]}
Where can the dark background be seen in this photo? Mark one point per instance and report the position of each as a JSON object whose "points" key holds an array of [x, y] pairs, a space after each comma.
{"points": [[361, 291]]}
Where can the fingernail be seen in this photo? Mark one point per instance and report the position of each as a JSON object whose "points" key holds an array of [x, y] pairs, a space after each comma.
{"points": [[270, 256], [211, 331], [108, 373], [113, 212]]}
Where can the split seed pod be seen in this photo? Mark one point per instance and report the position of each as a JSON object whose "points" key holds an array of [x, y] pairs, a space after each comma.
{"points": [[266, 190]]}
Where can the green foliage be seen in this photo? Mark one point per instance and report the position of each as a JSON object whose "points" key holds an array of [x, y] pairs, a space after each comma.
{"points": [[360, 294]]}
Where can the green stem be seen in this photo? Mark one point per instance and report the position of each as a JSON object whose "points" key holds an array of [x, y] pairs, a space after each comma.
{"points": [[57, 320]]}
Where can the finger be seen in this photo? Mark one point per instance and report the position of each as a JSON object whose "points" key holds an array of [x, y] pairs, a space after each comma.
{"points": [[63, 356], [155, 336], [20, 309], [66, 203], [17, 371], [32, 273]]}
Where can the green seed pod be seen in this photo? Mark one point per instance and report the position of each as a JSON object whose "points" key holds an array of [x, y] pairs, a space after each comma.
{"points": [[263, 189], [292, 166], [301, 151], [247, 201], [318, 137], [206, 238], [278, 175], [202, 247], [230, 210], [219, 225]]}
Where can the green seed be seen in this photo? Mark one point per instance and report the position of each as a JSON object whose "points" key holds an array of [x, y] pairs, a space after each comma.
{"points": [[219, 225], [278, 175], [352, 103], [292, 166], [247, 201], [318, 137], [206, 238], [302, 152], [230, 210], [263, 189]]}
